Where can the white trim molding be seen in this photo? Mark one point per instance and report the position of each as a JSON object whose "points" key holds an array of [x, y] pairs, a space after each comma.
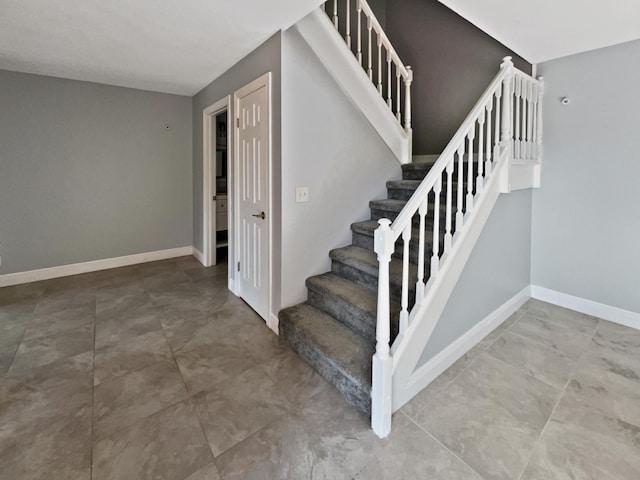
{"points": [[601, 310], [428, 372], [92, 266], [199, 255], [209, 115], [274, 323]]}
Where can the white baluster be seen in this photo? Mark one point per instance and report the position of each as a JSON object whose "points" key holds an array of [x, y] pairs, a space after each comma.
{"points": [[335, 14], [422, 212], [498, 123], [460, 212], [470, 138], [359, 10], [398, 83], [480, 178], [382, 363], [404, 312], [517, 99], [447, 229], [389, 100], [534, 122], [379, 63], [539, 122], [435, 258], [370, 47], [530, 121], [348, 17], [487, 167]]}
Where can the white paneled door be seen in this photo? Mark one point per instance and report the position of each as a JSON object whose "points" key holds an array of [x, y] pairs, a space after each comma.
{"points": [[253, 182]]}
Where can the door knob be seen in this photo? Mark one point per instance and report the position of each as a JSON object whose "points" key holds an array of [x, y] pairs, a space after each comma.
{"points": [[259, 215]]}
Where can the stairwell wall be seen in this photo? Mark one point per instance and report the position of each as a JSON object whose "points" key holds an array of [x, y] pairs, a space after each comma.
{"points": [[585, 217], [88, 172], [497, 270], [453, 61], [330, 147]]}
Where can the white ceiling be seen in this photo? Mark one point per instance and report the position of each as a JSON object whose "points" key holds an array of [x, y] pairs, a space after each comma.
{"points": [[174, 46], [541, 30]]}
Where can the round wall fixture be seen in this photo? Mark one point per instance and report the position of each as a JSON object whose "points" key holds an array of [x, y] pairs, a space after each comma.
{"points": [[565, 100], [167, 126]]}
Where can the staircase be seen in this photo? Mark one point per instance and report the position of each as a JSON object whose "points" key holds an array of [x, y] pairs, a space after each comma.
{"points": [[366, 322], [335, 329]]}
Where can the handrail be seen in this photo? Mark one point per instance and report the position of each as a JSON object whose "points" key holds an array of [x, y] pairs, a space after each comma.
{"points": [[406, 73], [398, 97], [512, 105]]}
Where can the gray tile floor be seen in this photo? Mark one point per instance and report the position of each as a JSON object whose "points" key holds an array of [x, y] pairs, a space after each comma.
{"points": [[158, 372]]}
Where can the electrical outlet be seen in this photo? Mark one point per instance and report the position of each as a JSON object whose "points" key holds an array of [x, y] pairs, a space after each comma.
{"points": [[302, 194]]}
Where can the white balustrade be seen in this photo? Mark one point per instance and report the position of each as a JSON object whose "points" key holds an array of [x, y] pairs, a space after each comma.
{"points": [[381, 58], [508, 121]]}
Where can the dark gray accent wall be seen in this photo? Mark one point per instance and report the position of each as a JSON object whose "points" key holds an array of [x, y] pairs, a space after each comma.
{"points": [[88, 171], [266, 58], [453, 63], [498, 269], [586, 226]]}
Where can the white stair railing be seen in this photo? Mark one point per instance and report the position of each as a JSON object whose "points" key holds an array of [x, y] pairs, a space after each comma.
{"points": [[480, 146], [376, 56]]}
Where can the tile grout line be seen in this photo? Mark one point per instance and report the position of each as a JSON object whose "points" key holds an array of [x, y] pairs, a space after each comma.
{"points": [[184, 383], [470, 363], [564, 391], [441, 444], [93, 386]]}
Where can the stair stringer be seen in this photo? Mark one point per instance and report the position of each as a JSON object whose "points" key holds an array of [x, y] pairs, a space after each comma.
{"points": [[407, 350], [329, 46]]}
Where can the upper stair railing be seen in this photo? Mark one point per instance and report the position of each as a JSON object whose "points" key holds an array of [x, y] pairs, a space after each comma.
{"points": [[366, 39], [506, 123]]}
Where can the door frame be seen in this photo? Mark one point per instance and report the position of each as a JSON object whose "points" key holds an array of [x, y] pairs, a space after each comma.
{"points": [[209, 115], [262, 81]]}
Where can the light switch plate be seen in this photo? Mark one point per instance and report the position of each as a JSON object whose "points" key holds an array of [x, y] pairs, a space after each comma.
{"points": [[302, 194]]}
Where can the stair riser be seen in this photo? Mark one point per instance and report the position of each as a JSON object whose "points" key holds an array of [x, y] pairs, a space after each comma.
{"points": [[357, 396], [366, 241], [351, 316], [405, 194], [371, 282], [377, 214]]}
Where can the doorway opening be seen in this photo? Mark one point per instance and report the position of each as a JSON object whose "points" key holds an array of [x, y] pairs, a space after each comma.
{"points": [[217, 185]]}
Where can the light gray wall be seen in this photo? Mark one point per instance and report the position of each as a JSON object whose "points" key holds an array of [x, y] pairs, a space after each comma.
{"points": [[453, 63], [266, 58], [586, 226], [87, 171], [329, 146], [497, 270]]}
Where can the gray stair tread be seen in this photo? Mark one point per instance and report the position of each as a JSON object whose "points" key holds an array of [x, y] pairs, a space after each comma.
{"points": [[368, 227], [367, 262], [419, 165], [388, 204], [337, 286], [345, 349], [406, 184]]}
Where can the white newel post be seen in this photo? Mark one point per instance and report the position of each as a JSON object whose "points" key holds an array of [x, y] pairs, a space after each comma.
{"points": [[382, 364], [539, 120], [407, 111], [507, 115]]}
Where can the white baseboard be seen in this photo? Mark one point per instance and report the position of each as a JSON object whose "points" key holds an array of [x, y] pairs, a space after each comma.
{"points": [[428, 372], [274, 323], [199, 255], [582, 305], [92, 266]]}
